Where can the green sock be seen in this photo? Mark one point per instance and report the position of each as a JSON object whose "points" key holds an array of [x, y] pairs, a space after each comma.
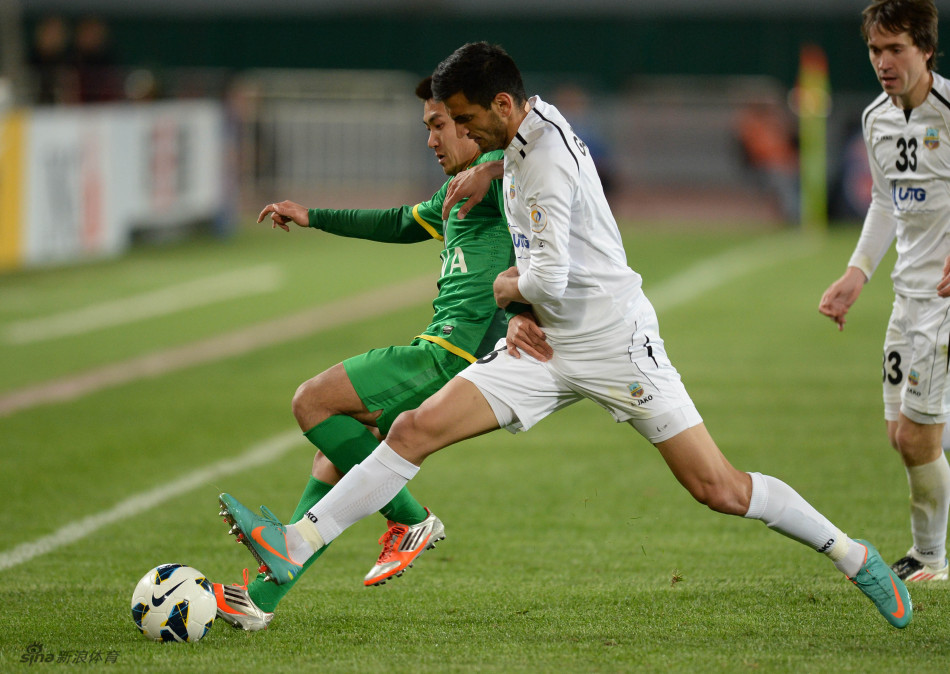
{"points": [[346, 442], [266, 594]]}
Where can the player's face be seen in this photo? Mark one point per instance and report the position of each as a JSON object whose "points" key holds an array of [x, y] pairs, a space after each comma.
{"points": [[900, 66], [454, 153], [483, 125]]}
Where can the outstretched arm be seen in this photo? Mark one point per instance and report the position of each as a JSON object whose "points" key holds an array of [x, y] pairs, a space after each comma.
{"points": [[285, 212], [471, 184]]}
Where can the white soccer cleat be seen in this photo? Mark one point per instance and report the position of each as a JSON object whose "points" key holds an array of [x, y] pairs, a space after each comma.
{"points": [[402, 543], [911, 570], [236, 607]]}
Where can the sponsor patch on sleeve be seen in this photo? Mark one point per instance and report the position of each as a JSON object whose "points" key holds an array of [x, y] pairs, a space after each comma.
{"points": [[539, 219]]}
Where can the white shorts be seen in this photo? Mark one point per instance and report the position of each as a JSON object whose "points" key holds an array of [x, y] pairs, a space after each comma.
{"points": [[633, 380], [916, 361]]}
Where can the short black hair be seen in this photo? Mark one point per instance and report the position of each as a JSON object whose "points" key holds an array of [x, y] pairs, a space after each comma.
{"points": [[480, 71], [916, 17], [424, 89]]}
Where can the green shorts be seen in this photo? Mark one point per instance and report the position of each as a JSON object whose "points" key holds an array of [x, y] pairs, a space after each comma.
{"points": [[399, 378]]}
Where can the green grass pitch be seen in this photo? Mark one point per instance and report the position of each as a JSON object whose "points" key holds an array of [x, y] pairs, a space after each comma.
{"points": [[569, 548]]}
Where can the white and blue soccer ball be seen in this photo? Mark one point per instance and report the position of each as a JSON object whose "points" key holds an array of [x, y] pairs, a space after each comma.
{"points": [[174, 602]]}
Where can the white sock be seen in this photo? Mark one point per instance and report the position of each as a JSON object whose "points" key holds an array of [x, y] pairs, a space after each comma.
{"points": [[785, 511], [303, 540], [365, 489], [929, 504], [848, 555]]}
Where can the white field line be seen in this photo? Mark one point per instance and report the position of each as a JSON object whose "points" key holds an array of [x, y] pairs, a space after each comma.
{"points": [[264, 453], [198, 293], [366, 305], [725, 267], [690, 284]]}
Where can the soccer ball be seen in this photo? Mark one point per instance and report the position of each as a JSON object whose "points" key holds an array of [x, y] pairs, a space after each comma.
{"points": [[174, 602]]}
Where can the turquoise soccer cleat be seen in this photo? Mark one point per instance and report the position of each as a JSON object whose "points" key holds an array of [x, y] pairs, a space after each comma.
{"points": [[265, 537], [884, 588]]}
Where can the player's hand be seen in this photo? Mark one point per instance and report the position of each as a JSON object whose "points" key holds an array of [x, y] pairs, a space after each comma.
{"points": [[471, 184], [524, 334], [943, 288], [505, 288], [285, 212], [841, 294]]}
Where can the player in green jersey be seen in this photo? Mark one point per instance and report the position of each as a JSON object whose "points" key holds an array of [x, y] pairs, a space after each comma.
{"points": [[345, 410]]}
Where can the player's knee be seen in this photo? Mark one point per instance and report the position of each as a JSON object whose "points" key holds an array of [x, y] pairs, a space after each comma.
{"points": [[307, 405], [411, 435], [909, 441], [903, 438], [404, 430], [301, 400]]}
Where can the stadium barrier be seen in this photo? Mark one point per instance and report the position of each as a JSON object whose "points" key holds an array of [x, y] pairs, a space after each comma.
{"points": [[81, 182], [338, 139]]}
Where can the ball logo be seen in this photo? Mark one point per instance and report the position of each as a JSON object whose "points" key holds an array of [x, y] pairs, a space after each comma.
{"points": [[159, 600], [539, 219]]}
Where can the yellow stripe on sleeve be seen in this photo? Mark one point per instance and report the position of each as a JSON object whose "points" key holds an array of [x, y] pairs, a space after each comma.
{"points": [[429, 228]]}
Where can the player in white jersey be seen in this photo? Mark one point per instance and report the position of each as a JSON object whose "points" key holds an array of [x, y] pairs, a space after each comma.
{"points": [[572, 269], [907, 132]]}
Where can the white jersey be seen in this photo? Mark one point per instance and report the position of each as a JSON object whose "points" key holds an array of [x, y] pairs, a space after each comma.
{"points": [[909, 156], [570, 257]]}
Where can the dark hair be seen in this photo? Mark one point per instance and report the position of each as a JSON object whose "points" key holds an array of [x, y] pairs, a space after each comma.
{"points": [[480, 71], [916, 17], [424, 89]]}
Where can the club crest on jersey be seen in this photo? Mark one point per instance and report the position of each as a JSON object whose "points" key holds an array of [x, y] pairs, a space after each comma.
{"points": [[539, 219], [913, 378], [511, 190], [636, 389], [932, 138]]}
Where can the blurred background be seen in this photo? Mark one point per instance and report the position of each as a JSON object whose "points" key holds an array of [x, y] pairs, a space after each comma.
{"points": [[131, 121]]}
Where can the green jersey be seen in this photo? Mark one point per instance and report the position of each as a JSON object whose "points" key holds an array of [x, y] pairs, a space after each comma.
{"points": [[466, 322]]}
